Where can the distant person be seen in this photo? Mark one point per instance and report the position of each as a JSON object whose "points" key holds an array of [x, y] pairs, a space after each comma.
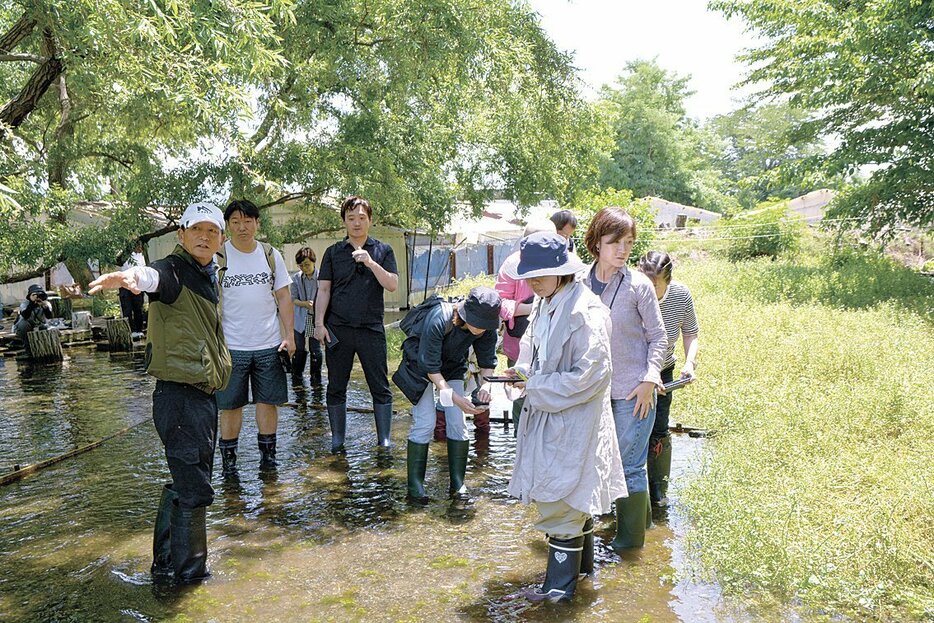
{"points": [[185, 351], [444, 338], [565, 224], [257, 316], [33, 314], [638, 344], [517, 296], [677, 307], [567, 460], [349, 318], [304, 290], [131, 305]]}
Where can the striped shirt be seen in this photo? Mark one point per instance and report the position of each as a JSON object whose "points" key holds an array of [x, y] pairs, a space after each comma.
{"points": [[678, 315]]}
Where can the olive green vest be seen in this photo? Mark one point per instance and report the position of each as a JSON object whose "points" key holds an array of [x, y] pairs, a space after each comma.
{"points": [[185, 339]]}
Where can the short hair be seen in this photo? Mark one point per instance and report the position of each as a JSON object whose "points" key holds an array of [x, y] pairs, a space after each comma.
{"points": [[305, 253], [656, 264], [609, 221], [244, 206], [352, 202], [563, 218]]}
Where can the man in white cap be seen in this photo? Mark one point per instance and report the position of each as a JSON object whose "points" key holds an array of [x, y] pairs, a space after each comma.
{"points": [[186, 352]]}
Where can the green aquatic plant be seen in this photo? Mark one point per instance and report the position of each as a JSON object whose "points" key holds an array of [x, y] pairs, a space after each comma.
{"points": [[816, 488]]}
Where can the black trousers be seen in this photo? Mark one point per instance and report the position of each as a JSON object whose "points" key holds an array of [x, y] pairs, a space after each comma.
{"points": [[186, 420], [663, 407], [370, 346], [131, 306], [301, 356]]}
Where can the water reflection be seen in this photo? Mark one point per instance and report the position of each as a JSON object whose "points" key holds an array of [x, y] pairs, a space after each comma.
{"points": [[327, 538]]}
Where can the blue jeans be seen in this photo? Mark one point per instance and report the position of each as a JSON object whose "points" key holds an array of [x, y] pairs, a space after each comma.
{"points": [[633, 436], [423, 417]]}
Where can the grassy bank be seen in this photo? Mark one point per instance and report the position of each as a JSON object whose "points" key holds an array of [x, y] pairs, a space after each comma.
{"points": [[819, 488]]}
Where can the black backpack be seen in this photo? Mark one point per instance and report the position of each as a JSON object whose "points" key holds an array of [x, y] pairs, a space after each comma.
{"points": [[406, 378]]}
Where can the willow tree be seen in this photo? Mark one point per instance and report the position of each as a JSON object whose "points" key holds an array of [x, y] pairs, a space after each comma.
{"points": [[867, 68], [422, 106]]}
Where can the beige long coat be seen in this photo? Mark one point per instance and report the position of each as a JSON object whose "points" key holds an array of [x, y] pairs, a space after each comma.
{"points": [[566, 445]]}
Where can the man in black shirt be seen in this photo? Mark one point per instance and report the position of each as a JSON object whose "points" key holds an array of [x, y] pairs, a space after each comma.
{"points": [[349, 317]]}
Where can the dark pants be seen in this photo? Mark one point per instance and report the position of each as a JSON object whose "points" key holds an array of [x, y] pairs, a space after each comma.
{"points": [[370, 346], [301, 355], [663, 407], [131, 306], [186, 420]]}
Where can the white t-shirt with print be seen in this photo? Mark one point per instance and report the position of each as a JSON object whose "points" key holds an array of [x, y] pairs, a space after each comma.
{"points": [[249, 312]]}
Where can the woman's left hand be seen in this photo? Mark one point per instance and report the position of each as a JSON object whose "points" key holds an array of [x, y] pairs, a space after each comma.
{"points": [[687, 370], [483, 395], [644, 393]]}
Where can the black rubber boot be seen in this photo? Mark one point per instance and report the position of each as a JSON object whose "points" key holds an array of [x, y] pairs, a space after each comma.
{"points": [[416, 460], [587, 552], [457, 468], [337, 417], [315, 368], [298, 367], [162, 568], [189, 544], [659, 467], [383, 416], [564, 563], [267, 452], [228, 448], [630, 521]]}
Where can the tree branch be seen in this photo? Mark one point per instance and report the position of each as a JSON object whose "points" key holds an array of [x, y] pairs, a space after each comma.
{"points": [[125, 162], [19, 31], [32, 58], [65, 101], [17, 109], [271, 115]]}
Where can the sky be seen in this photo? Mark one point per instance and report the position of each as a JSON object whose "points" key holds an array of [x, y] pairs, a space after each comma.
{"points": [[685, 37]]}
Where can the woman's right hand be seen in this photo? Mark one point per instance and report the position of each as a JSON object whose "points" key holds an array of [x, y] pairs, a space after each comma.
{"points": [[644, 393], [519, 384], [465, 405]]}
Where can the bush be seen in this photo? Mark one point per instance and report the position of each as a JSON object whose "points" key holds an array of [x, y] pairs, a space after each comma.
{"points": [[817, 486], [766, 232]]}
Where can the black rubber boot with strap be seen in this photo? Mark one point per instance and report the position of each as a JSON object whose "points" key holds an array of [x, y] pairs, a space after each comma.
{"points": [[587, 554], [659, 468], [228, 448], [564, 564], [267, 452]]}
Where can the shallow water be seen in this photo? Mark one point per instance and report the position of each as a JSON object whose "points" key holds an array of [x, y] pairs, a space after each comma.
{"points": [[327, 539]]}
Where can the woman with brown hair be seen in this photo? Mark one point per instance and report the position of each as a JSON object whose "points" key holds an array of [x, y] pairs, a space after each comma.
{"points": [[637, 345]]}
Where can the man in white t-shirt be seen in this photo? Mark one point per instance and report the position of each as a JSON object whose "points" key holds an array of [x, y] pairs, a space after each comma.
{"points": [[256, 313]]}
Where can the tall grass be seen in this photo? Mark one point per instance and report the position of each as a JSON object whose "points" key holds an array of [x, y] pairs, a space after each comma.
{"points": [[819, 484]]}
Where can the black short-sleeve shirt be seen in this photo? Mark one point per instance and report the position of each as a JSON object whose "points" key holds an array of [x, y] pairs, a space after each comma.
{"points": [[356, 295]]}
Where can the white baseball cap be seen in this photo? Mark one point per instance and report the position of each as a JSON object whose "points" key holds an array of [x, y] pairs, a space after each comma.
{"points": [[202, 213]]}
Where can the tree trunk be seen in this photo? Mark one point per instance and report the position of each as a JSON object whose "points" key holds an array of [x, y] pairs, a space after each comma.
{"points": [[118, 334], [45, 346]]}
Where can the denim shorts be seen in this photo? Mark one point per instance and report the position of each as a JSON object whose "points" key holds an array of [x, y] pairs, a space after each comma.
{"points": [[254, 371]]}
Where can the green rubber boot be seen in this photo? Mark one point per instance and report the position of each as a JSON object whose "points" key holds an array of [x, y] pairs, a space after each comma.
{"points": [[630, 521], [416, 460], [457, 467], [659, 466]]}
